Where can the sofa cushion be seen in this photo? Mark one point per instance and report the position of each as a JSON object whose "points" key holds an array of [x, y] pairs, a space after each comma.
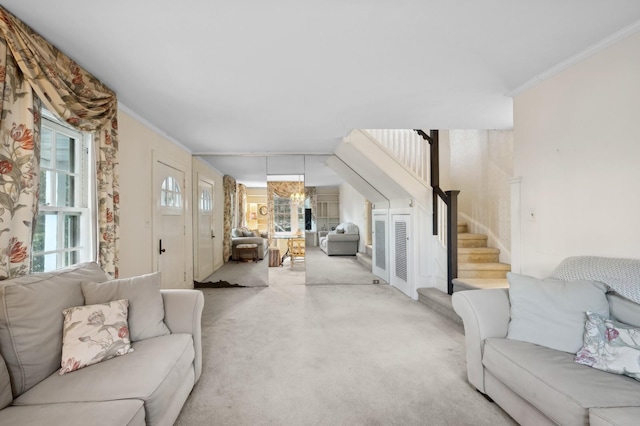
{"points": [[610, 346], [31, 320], [627, 416], [552, 313], [553, 383], [94, 333], [624, 310], [151, 373], [146, 308], [5, 385], [128, 412]]}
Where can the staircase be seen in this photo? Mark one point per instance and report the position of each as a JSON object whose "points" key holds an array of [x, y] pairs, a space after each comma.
{"points": [[478, 265], [478, 268]]}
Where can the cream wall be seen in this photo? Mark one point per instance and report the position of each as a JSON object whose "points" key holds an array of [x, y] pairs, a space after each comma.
{"points": [[137, 144], [577, 149], [203, 170], [480, 165], [352, 209]]}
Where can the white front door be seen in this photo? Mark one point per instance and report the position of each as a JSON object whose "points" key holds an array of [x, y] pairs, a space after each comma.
{"points": [[400, 268], [169, 223], [206, 226], [380, 240]]}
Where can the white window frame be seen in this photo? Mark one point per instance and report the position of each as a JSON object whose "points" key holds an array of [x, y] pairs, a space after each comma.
{"points": [[84, 196]]}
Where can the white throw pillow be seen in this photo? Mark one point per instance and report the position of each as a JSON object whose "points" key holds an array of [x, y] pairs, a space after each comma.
{"points": [[146, 307], [552, 313], [610, 346], [94, 333]]}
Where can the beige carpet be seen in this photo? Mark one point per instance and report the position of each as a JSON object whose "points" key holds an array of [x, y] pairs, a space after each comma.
{"points": [[323, 269], [331, 355], [248, 274]]}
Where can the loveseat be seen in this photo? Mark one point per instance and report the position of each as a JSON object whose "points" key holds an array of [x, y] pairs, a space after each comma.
{"points": [[245, 236], [146, 386], [343, 241], [522, 352]]}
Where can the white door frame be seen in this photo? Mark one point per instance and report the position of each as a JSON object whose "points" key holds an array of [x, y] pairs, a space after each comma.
{"points": [[196, 235], [161, 158]]}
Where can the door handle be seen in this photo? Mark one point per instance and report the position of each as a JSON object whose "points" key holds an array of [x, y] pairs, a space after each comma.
{"points": [[161, 249]]}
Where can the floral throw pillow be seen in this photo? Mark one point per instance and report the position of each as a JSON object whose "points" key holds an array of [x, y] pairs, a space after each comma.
{"points": [[610, 346], [94, 333]]}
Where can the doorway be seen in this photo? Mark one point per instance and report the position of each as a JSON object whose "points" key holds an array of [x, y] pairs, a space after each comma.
{"points": [[205, 218], [169, 230]]}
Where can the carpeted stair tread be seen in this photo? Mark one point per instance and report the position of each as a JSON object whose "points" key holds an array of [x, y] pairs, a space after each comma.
{"points": [[478, 250], [479, 283], [483, 266], [469, 236]]}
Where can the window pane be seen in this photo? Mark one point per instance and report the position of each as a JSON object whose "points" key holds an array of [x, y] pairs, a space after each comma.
{"points": [[66, 190], [38, 234], [50, 221], [44, 263], [71, 231], [65, 153], [71, 258], [46, 182], [45, 147]]}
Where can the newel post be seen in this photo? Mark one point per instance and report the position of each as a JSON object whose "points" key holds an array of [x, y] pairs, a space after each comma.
{"points": [[452, 238]]}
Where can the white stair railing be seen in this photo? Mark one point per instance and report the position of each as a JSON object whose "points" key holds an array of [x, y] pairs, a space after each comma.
{"points": [[407, 147]]}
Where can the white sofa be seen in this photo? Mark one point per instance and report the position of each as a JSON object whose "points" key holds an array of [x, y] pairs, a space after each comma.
{"points": [[147, 386], [537, 385], [343, 241]]}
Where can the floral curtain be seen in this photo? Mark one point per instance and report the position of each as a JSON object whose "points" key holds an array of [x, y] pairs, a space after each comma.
{"points": [[81, 100], [242, 205], [19, 166], [229, 185]]}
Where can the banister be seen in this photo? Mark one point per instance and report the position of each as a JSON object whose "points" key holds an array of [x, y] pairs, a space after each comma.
{"points": [[450, 198]]}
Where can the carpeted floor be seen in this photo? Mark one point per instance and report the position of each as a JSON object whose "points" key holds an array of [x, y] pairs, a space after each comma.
{"points": [[246, 274], [323, 269], [331, 355]]}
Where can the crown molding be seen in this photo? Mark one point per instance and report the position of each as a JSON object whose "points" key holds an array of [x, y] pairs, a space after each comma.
{"points": [[589, 51]]}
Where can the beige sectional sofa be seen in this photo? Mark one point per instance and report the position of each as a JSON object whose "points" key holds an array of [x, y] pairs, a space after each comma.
{"points": [[538, 385], [147, 386]]}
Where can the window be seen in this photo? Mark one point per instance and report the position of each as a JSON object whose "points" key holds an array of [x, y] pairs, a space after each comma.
{"points": [[206, 205], [284, 216], [62, 234], [171, 195]]}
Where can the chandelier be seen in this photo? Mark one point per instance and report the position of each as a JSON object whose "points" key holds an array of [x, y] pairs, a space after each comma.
{"points": [[298, 197]]}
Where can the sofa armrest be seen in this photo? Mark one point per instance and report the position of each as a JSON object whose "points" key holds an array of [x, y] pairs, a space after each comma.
{"points": [[343, 237], [322, 234], [485, 314], [183, 314]]}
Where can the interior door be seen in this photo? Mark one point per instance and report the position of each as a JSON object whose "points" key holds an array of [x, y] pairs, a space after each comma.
{"points": [[380, 239], [169, 223], [400, 268], [206, 227]]}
